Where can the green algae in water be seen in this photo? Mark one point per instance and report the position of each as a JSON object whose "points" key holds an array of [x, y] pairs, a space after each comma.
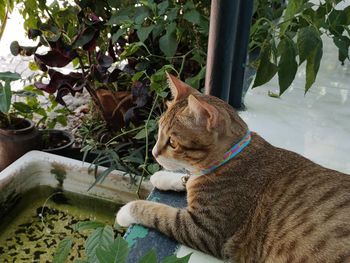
{"points": [[31, 231]]}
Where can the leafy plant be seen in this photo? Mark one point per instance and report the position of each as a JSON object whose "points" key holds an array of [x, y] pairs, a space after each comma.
{"points": [[43, 109], [120, 52], [102, 246], [287, 35], [7, 119]]}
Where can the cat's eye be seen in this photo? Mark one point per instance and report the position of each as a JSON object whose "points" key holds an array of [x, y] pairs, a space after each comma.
{"points": [[172, 143]]}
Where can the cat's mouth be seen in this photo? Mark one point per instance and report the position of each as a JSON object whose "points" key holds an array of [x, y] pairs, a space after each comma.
{"points": [[171, 164]]}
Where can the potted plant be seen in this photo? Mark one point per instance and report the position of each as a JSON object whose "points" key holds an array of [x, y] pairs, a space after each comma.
{"points": [[17, 135], [119, 56], [56, 141]]}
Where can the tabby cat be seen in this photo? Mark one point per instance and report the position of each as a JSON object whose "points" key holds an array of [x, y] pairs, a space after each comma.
{"points": [[264, 205]]}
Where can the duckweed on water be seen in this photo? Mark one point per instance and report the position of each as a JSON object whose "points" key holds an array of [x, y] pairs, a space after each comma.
{"points": [[36, 225]]}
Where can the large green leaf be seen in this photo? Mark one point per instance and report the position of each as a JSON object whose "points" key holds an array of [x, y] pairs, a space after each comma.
{"points": [[115, 253], [141, 14], [313, 64], [101, 237], [9, 76], [118, 34], [287, 66], [5, 97], [63, 250], [22, 107], [266, 69], [87, 225], [150, 257], [310, 48], [193, 16], [308, 38], [143, 32], [85, 37], [343, 44], [168, 42], [162, 7]]}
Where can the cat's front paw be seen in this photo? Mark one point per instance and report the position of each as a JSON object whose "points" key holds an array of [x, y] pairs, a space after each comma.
{"points": [[164, 180], [124, 216]]}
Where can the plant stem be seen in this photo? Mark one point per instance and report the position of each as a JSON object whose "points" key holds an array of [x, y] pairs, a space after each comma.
{"points": [[122, 134], [146, 150]]}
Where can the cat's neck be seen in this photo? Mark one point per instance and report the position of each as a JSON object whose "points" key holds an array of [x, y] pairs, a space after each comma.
{"points": [[222, 159], [256, 144]]}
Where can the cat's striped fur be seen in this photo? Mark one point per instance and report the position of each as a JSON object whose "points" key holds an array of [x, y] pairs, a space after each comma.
{"points": [[266, 205]]}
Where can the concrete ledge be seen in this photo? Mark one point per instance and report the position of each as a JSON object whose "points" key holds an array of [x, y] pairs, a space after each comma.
{"points": [[142, 239]]}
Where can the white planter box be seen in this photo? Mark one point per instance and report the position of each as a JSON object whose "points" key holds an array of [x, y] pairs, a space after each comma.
{"points": [[39, 168]]}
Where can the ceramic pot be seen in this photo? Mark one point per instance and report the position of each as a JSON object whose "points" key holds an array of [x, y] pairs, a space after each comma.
{"points": [[17, 141], [56, 141]]}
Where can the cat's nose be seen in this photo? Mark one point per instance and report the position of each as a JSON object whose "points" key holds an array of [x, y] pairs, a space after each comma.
{"points": [[155, 152]]}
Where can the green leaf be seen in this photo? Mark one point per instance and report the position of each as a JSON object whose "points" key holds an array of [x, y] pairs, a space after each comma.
{"points": [[141, 134], [338, 20], [143, 32], [174, 259], [118, 34], [193, 16], [9, 76], [152, 125], [115, 253], [172, 14], [137, 76], [293, 7], [287, 66], [310, 48], [158, 29], [63, 250], [141, 14], [307, 39], [87, 225], [266, 69], [152, 168], [22, 107], [313, 64], [5, 97], [85, 37], [168, 42], [62, 119], [343, 44], [101, 237], [195, 81], [131, 49], [118, 19], [150, 257], [162, 7]]}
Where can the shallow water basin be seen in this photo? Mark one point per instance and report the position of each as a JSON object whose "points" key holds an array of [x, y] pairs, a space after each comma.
{"points": [[42, 217], [43, 196]]}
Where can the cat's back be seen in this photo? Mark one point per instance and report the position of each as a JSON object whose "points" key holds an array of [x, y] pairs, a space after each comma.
{"points": [[304, 214]]}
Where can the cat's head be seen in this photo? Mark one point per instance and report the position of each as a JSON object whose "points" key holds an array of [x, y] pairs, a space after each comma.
{"points": [[196, 129]]}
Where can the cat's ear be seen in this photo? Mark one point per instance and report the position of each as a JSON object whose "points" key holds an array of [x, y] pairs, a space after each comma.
{"points": [[203, 112], [179, 89]]}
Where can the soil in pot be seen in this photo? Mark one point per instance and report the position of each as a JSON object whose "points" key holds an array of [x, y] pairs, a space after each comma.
{"points": [[56, 140]]}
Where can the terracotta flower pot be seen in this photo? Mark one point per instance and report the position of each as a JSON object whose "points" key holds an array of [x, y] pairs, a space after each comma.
{"points": [[17, 141]]}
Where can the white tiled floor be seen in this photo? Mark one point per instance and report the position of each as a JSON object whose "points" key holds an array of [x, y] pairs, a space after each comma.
{"points": [[316, 125]]}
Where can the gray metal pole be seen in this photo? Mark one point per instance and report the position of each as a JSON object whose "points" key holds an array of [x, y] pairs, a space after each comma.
{"points": [[227, 49]]}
